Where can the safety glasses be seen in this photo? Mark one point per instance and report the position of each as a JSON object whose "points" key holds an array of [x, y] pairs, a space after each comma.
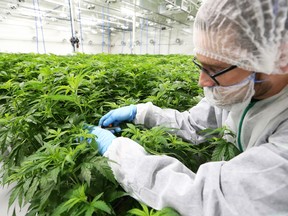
{"points": [[213, 75]]}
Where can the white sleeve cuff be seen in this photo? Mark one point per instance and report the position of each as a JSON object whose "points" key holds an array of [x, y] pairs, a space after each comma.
{"points": [[142, 110]]}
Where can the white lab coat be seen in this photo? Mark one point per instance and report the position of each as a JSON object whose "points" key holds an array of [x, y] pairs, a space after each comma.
{"points": [[253, 183]]}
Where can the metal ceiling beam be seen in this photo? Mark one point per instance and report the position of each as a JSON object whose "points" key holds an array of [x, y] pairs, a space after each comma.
{"points": [[154, 12]]}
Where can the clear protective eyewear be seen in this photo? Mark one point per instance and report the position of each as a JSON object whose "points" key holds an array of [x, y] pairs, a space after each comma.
{"points": [[215, 74]]}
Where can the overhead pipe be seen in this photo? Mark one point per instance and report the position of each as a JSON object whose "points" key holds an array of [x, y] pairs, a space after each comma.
{"points": [[134, 4], [120, 18], [100, 5], [45, 10], [180, 7], [196, 5], [56, 2]]}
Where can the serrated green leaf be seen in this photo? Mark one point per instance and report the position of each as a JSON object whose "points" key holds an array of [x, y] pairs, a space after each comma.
{"points": [[77, 196], [43, 182], [80, 210], [89, 211], [86, 174], [15, 192], [59, 210], [53, 174], [46, 194], [14, 212], [61, 97], [27, 184], [145, 208], [102, 167], [116, 195], [69, 159], [101, 205], [137, 212], [39, 139], [32, 189], [71, 202]]}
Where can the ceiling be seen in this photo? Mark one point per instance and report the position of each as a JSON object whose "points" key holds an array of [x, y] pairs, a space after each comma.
{"points": [[102, 15]]}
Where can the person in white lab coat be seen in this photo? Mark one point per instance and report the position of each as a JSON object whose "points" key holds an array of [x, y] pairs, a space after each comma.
{"points": [[241, 48]]}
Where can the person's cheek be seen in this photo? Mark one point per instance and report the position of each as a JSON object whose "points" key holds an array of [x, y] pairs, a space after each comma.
{"points": [[205, 80]]}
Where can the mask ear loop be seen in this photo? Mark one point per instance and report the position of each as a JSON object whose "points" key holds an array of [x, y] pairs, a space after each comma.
{"points": [[258, 81]]}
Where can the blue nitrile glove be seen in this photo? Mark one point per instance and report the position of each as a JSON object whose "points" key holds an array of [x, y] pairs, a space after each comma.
{"points": [[116, 116], [104, 138]]}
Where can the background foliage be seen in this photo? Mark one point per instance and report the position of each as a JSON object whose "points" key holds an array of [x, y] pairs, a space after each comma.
{"points": [[46, 99]]}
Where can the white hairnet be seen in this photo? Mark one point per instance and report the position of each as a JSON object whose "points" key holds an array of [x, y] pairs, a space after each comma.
{"points": [[252, 34]]}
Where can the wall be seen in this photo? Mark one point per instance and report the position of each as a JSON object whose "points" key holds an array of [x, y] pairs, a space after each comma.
{"points": [[20, 36], [164, 42], [17, 36]]}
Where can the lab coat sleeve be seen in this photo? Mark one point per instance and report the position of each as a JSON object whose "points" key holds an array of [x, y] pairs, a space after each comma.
{"points": [[253, 183], [185, 124]]}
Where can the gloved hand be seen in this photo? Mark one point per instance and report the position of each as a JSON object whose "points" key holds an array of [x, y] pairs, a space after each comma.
{"points": [[104, 138], [116, 116]]}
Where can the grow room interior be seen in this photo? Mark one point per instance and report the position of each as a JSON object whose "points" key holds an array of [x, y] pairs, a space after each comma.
{"points": [[43, 41], [102, 26]]}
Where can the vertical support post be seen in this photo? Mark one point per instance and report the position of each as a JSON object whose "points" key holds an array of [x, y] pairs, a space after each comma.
{"points": [[141, 42], [38, 24], [133, 32], [147, 36], [159, 44], [103, 30], [155, 32], [169, 41], [133, 29], [72, 22], [109, 30], [80, 25]]}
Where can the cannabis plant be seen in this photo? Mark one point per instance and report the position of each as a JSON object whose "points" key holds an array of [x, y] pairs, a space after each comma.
{"points": [[45, 101]]}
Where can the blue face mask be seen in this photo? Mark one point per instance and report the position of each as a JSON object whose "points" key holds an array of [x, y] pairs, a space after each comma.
{"points": [[226, 96]]}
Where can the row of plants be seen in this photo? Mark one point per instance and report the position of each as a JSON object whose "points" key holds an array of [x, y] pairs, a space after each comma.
{"points": [[46, 99]]}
